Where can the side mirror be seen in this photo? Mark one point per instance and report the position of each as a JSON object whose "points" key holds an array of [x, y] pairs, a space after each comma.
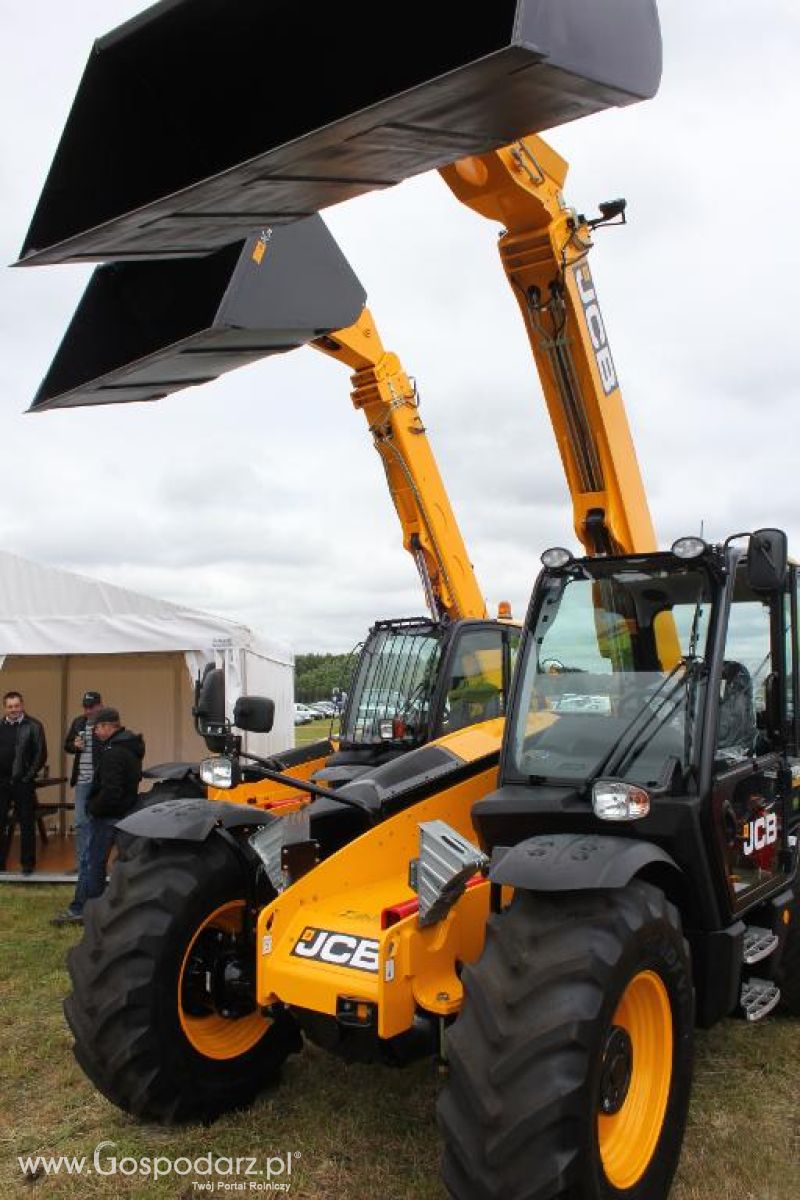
{"points": [[255, 714], [767, 559], [209, 707]]}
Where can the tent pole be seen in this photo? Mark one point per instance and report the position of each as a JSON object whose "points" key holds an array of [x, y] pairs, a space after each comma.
{"points": [[62, 760]]}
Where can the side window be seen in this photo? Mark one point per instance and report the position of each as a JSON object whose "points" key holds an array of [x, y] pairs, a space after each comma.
{"points": [[475, 680], [748, 662]]}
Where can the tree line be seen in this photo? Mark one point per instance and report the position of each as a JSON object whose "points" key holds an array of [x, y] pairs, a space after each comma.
{"points": [[316, 676]]}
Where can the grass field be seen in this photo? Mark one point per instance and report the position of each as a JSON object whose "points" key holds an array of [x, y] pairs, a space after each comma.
{"points": [[356, 1132], [315, 731]]}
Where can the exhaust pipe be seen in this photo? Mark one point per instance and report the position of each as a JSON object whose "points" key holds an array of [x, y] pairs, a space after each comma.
{"points": [[200, 120], [145, 329]]}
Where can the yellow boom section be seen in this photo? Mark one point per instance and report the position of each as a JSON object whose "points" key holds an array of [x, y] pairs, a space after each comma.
{"points": [[544, 250], [387, 397]]}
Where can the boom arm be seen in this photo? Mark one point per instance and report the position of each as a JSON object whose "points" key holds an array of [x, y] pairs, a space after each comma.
{"points": [[544, 251], [389, 401]]}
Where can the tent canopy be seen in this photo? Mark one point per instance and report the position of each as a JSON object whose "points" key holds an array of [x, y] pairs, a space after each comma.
{"points": [[61, 633], [45, 610]]}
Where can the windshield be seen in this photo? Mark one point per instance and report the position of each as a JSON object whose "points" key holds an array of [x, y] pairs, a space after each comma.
{"points": [[394, 679], [611, 672]]}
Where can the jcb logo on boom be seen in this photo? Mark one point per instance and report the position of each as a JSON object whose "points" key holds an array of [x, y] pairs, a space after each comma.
{"points": [[596, 327], [760, 832], [339, 949]]}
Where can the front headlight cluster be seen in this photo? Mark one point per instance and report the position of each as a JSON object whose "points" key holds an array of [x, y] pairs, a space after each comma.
{"points": [[614, 800]]}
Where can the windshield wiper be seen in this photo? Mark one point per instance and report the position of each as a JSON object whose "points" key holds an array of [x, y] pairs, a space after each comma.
{"points": [[642, 737], [619, 750], [638, 747]]}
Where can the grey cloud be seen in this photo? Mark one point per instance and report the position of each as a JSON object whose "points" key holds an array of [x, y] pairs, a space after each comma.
{"points": [[260, 496]]}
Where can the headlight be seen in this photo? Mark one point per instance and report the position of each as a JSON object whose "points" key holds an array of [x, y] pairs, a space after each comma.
{"points": [[556, 557], [387, 730], [219, 772], [613, 800], [689, 547]]}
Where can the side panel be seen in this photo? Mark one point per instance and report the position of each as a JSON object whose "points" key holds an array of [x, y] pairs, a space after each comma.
{"points": [[322, 938]]}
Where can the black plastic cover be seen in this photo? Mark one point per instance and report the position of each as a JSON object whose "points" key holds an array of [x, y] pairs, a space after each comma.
{"points": [[191, 820], [199, 120], [572, 862], [145, 329]]}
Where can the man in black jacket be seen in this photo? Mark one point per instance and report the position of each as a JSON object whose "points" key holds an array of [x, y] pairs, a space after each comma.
{"points": [[113, 795], [23, 753]]}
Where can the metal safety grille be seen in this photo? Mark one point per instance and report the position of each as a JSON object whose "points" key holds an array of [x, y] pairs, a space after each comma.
{"points": [[394, 681]]}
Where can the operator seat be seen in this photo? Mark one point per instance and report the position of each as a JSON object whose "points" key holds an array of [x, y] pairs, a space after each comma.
{"points": [[737, 719]]}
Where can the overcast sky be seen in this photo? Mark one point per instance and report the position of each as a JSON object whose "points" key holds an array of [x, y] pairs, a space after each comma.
{"points": [[259, 497]]}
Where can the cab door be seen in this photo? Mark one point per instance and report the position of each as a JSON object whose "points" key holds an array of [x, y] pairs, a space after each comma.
{"points": [[751, 786], [477, 675]]}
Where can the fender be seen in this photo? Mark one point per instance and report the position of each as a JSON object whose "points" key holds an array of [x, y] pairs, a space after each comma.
{"points": [[191, 820], [568, 862], [172, 771]]}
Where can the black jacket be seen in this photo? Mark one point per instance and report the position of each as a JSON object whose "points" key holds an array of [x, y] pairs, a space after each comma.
{"points": [[76, 729], [30, 754], [116, 779]]}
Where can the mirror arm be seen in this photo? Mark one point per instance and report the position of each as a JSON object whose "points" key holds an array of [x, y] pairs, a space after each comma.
{"points": [[301, 784]]}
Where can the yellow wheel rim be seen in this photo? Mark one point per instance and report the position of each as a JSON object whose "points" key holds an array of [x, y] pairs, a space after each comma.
{"points": [[212, 1035], [629, 1137]]}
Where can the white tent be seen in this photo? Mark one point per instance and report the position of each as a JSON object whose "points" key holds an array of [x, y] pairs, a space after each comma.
{"points": [[62, 634]]}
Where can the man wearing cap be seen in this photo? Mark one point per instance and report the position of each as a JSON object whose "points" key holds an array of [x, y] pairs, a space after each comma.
{"points": [[112, 794], [81, 743]]}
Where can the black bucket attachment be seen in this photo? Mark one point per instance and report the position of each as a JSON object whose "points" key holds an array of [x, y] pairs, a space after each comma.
{"points": [[145, 329], [199, 120]]}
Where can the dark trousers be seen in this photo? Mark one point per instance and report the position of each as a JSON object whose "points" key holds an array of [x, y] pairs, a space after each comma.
{"points": [[18, 805], [101, 835]]}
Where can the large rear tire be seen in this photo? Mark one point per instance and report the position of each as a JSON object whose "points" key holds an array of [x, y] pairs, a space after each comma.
{"points": [[571, 1060], [146, 1032]]}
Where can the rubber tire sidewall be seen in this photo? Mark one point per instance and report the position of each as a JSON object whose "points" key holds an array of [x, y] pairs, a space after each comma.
{"points": [[223, 885], [123, 1010], [661, 951], [519, 1112]]}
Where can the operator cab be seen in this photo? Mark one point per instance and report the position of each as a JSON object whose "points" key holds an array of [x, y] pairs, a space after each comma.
{"points": [[657, 692], [416, 680]]}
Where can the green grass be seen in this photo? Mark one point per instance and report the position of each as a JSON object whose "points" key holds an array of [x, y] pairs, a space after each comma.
{"points": [[360, 1132], [315, 731]]}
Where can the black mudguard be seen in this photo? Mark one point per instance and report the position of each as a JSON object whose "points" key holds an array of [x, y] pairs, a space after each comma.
{"points": [[566, 862], [191, 820]]}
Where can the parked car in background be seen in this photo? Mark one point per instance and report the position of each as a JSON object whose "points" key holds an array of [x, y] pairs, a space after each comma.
{"points": [[325, 708], [303, 714]]}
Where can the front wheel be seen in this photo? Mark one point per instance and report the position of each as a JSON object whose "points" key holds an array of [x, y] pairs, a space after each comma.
{"points": [[571, 1061], [163, 1003]]}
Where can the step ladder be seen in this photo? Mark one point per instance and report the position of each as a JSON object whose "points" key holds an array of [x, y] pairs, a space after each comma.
{"points": [[758, 996], [758, 943]]}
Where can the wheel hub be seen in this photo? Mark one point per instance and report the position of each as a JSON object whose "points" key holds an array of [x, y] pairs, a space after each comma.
{"points": [[218, 978], [615, 1078]]}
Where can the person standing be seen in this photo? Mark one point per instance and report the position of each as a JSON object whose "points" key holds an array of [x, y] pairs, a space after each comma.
{"points": [[23, 753], [81, 742], [113, 794]]}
